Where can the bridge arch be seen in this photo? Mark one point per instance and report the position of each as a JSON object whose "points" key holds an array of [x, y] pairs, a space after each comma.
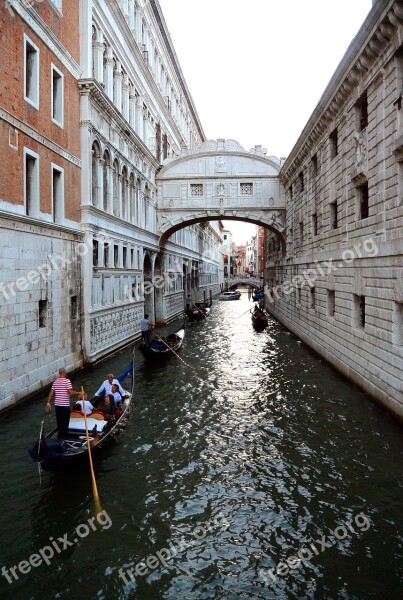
{"points": [[220, 180]]}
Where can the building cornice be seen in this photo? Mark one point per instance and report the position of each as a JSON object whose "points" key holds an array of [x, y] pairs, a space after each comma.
{"points": [[35, 135], [91, 87], [38, 25], [373, 39], [17, 218], [145, 69]]}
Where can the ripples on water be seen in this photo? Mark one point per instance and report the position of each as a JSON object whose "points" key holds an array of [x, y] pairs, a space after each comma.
{"points": [[257, 433]]}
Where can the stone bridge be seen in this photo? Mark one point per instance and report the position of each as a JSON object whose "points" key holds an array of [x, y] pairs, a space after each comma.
{"points": [[251, 281], [220, 180]]}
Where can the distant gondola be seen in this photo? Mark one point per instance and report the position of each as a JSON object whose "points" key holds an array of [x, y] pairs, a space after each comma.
{"points": [[53, 454], [163, 347], [197, 313], [259, 319]]}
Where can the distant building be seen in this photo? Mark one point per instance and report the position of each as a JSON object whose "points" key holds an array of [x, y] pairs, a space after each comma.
{"points": [[227, 253]]}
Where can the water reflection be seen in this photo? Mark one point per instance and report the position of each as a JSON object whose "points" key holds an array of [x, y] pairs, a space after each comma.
{"points": [[257, 431]]}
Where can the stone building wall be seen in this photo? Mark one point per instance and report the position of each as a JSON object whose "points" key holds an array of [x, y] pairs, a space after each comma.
{"points": [[40, 168], [338, 283]]}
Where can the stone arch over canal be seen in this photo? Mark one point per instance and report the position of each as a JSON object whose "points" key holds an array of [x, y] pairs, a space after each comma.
{"points": [[220, 180]]}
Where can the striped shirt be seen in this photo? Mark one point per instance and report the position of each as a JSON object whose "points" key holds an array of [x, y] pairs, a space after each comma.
{"points": [[60, 386]]}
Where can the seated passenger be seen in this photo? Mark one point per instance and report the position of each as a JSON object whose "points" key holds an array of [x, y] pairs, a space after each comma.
{"points": [[87, 406], [117, 396], [107, 406]]}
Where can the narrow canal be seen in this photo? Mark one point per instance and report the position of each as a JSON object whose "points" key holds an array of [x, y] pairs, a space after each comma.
{"points": [[255, 466]]}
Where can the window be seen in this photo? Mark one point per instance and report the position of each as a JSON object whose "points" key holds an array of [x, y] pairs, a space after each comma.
{"points": [[115, 255], [73, 308], [31, 183], [299, 296], [57, 97], [106, 254], [331, 302], [246, 189], [363, 197], [333, 215], [290, 192], [57, 194], [315, 224], [358, 311], [31, 72], [301, 232], [132, 258], [95, 253], [361, 108], [312, 298], [301, 182], [334, 143], [397, 335], [225, 236], [196, 189], [124, 257], [42, 313], [314, 165]]}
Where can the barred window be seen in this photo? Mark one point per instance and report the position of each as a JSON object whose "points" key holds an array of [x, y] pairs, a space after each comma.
{"points": [[196, 189], [246, 189]]}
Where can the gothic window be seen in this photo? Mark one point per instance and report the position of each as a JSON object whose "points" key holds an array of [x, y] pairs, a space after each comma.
{"points": [[116, 188], [105, 174], [95, 155]]}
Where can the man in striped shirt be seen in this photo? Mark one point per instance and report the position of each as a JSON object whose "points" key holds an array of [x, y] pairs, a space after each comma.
{"points": [[62, 390]]}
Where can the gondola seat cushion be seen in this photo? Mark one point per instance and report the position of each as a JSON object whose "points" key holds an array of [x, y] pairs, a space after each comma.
{"points": [[78, 425]]}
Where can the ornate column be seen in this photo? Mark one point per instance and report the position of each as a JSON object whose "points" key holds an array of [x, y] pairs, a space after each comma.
{"points": [[117, 87], [132, 109], [126, 94], [98, 49], [108, 73], [139, 116]]}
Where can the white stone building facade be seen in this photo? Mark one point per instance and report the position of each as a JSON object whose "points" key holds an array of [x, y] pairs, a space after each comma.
{"points": [[338, 284], [136, 111]]}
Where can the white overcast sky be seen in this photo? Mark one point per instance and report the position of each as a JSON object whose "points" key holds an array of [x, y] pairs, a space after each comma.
{"points": [[256, 69]]}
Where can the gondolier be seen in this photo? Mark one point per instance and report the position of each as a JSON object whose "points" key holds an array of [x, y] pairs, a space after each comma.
{"points": [[62, 389]]}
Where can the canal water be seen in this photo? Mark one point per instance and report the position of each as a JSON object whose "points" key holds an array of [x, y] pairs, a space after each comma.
{"points": [[253, 471]]}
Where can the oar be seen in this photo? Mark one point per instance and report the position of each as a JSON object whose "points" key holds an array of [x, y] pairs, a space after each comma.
{"points": [[94, 483], [246, 311], [169, 348]]}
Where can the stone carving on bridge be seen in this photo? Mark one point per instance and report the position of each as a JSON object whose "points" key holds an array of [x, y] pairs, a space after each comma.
{"points": [[219, 145], [220, 189], [220, 164]]}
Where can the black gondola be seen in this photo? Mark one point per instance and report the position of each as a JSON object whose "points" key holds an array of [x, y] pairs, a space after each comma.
{"points": [[197, 313], [163, 347], [259, 319], [53, 454]]}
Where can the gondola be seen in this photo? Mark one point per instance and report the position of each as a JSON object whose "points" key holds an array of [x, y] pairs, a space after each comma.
{"points": [[53, 454], [259, 319], [163, 347], [197, 313]]}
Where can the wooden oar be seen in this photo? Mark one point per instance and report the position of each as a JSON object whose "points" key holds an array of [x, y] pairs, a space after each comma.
{"points": [[169, 348], [94, 483]]}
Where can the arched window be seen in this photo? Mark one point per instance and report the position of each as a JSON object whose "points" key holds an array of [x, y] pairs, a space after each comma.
{"points": [[116, 187], [95, 155], [146, 195], [132, 199], [106, 190], [125, 184]]}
